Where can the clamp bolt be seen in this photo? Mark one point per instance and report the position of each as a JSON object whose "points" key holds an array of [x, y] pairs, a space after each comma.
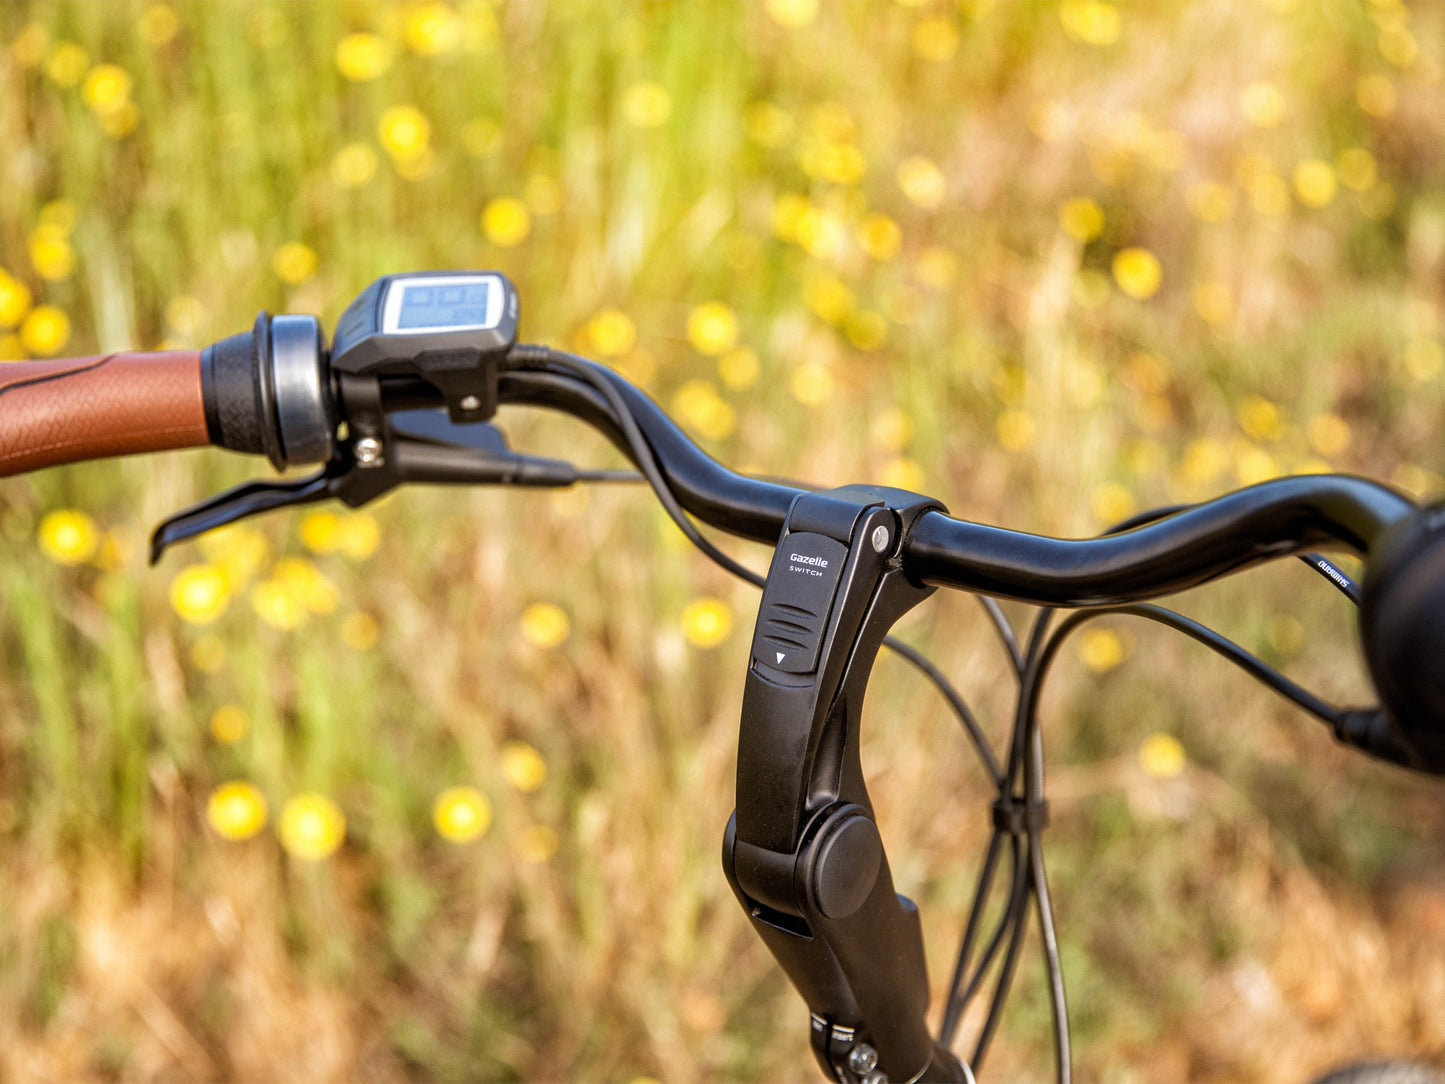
{"points": [[470, 402], [880, 538], [863, 1059], [368, 452]]}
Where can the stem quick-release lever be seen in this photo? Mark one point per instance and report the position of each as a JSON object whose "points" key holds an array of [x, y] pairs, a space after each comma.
{"points": [[802, 852]]}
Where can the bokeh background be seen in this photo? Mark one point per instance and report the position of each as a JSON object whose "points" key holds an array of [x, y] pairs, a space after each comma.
{"points": [[435, 790]]}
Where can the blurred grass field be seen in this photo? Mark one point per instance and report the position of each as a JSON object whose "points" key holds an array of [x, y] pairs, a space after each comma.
{"points": [[435, 791]]}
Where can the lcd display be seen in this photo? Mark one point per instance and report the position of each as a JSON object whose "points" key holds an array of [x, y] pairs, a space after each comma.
{"points": [[454, 305]]}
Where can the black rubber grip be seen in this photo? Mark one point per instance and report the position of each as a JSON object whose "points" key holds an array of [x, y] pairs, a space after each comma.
{"points": [[236, 384], [228, 382]]}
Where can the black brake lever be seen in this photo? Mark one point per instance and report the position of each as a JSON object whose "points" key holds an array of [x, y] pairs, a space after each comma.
{"points": [[415, 446]]}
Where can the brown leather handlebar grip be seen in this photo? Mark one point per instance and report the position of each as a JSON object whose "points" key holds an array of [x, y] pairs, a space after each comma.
{"points": [[69, 409]]}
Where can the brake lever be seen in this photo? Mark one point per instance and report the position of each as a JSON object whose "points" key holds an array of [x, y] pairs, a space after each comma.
{"points": [[411, 446]]}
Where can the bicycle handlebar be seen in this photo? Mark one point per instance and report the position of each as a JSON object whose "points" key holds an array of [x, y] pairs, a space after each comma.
{"points": [[66, 410]]}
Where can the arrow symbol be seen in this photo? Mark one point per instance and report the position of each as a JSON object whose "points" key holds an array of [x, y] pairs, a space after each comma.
{"points": [[780, 656]]}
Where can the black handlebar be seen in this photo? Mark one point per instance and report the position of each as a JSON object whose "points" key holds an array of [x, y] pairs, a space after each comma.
{"points": [[1402, 612]]}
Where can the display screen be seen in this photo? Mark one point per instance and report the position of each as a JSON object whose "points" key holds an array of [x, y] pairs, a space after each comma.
{"points": [[453, 305]]}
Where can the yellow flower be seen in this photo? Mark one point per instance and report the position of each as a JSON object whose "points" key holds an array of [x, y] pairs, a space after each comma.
{"points": [[506, 222], [51, 254], [229, 724], [545, 624], [358, 535], [1162, 756], [767, 125], [935, 39], [1424, 358], [1328, 434], [67, 64], [646, 105], [68, 536], [1398, 45], [354, 165], [712, 328], [10, 348], [29, 45], [461, 814], [812, 383], [1263, 104], [416, 167], [1260, 418], [107, 88], [879, 237], [294, 263], [1203, 460], [238, 550], [1082, 218], [523, 766], [1357, 168], [700, 407], [277, 606], [865, 329], [792, 13], [936, 267], [1112, 503], [1092, 21], [1314, 181], [828, 298], [404, 131], [1137, 272], [236, 810], [14, 300], [360, 631], [320, 532], [159, 24], [1376, 95], [208, 654], [1254, 464], [1015, 430], [122, 122], [922, 182], [611, 333], [537, 844], [200, 594], [901, 472], [707, 621], [1214, 302], [433, 29], [312, 826], [45, 331], [1210, 201], [305, 582], [1101, 650], [738, 368]]}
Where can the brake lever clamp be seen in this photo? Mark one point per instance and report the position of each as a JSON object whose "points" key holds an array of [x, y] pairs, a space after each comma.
{"points": [[802, 852]]}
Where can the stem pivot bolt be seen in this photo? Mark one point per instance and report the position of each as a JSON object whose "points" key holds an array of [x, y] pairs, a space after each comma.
{"points": [[368, 452], [862, 1058]]}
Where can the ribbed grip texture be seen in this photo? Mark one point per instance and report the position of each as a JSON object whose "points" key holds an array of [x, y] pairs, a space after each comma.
{"points": [[231, 394], [70, 409]]}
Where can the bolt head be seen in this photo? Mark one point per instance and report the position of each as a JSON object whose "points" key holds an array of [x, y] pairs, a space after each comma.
{"points": [[367, 451], [470, 402], [862, 1059], [880, 538]]}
